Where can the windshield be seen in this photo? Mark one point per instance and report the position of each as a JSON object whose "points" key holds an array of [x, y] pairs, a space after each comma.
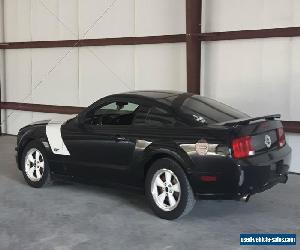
{"points": [[198, 110]]}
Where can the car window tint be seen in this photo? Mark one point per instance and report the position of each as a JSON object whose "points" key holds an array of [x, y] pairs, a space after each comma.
{"points": [[117, 108], [141, 115], [115, 113], [158, 117], [198, 110]]}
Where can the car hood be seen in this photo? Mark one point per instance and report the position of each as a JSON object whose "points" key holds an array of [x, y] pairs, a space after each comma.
{"points": [[49, 121], [34, 124], [41, 123]]}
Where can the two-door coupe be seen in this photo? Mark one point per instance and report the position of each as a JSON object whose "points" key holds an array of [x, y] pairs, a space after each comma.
{"points": [[177, 145]]}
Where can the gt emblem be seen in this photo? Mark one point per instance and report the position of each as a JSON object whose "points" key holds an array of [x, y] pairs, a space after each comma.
{"points": [[268, 141]]}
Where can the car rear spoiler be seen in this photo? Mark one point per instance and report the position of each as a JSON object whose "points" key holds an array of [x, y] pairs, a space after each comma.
{"points": [[245, 121]]}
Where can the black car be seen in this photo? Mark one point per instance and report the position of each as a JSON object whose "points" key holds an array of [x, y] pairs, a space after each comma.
{"points": [[177, 145]]}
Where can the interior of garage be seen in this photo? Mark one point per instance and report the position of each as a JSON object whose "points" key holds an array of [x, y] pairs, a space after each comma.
{"points": [[59, 56]]}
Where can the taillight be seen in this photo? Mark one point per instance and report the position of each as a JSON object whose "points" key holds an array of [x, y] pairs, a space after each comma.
{"points": [[242, 147], [281, 137]]}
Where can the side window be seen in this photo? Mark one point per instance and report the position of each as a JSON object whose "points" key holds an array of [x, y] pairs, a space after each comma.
{"points": [[141, 115], [114, 113], [153, 117], [158, 117]]}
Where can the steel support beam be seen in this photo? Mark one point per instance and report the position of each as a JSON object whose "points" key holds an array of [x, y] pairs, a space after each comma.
{"points": [[193, 46], [250, 34], [41, 108], [178, 38]]}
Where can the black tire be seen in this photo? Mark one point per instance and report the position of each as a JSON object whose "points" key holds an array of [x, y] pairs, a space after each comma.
{"points": [[45, 179], [187, 198]]}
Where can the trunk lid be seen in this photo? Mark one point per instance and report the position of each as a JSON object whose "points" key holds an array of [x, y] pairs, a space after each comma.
{"points": [[262, 132]]}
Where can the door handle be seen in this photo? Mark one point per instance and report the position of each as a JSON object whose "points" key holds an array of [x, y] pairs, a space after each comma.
{"points": [[119, 138]]}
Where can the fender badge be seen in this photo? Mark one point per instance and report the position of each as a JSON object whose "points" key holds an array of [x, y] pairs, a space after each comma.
{"points": [[55, 149], [202, 147]]}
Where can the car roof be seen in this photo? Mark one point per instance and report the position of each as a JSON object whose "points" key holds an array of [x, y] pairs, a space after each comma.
{"points": [[155, 94], [167, 97]]}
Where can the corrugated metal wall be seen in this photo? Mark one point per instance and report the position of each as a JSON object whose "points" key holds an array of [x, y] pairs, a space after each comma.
{"points": [[258, 76], [79, 76]]}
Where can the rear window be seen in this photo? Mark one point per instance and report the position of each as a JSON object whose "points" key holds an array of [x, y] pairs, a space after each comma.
{"points": [[198, 110]]}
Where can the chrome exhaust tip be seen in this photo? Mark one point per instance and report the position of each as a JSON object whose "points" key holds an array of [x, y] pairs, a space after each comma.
{"points": [[245, 198]]}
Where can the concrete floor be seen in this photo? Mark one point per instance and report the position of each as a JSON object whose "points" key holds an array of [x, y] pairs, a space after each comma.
{"points": [[76, 216]]}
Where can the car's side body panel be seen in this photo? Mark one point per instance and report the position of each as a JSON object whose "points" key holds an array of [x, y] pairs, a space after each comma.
{"points": [[103, 153], [125, 153]]}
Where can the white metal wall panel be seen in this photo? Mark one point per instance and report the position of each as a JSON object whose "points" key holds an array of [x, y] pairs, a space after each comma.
{"points": [[157, 17], [54, 19], [17, 20], [224, 15], [16, 120], [294, 79], [109, 18], [294, 141], [103, 71], [161, 66], [252, 75], [18, 75], [55, 76], [60, 19], [79, 76], [18, 88], [258, 76]]}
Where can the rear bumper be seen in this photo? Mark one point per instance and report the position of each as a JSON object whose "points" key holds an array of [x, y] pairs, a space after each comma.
{"points": [[238, 178], [252, 187], [262, 172]]}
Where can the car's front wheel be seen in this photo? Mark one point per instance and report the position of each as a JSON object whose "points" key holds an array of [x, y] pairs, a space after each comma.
{"points": [[168, 190], [35, 166]]}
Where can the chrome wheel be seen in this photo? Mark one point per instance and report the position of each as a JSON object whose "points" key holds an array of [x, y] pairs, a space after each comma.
{"points": [[34, 165], [165, 189]]}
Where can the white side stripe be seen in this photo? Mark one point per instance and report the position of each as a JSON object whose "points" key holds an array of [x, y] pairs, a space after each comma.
{"points": [[57, 145]]}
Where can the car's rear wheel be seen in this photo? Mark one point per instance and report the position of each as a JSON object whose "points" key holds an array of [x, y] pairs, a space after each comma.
{"points": [[35, 166], [168, 190]]}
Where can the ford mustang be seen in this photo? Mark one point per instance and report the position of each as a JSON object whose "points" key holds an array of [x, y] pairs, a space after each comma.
{"points": [[177, 146]]}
